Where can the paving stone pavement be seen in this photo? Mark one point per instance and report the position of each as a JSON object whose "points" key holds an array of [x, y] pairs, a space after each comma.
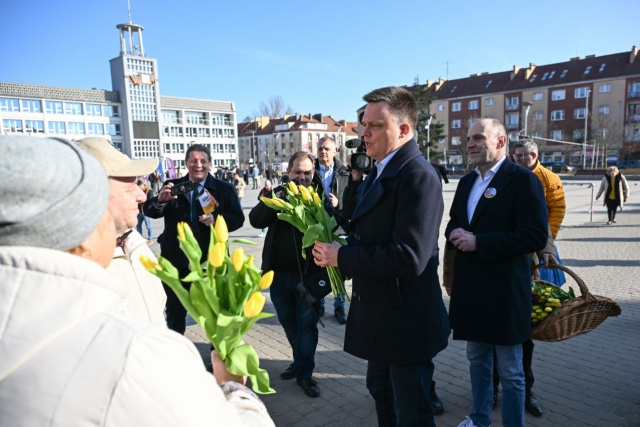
{"points": [[590, 380]]}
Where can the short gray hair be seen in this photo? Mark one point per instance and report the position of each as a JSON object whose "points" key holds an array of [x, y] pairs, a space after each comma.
{"points": [[529, 144]]}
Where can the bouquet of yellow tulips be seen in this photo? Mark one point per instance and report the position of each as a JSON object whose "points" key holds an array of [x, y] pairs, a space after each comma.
{"points": [[224, 298], [304, 209]]}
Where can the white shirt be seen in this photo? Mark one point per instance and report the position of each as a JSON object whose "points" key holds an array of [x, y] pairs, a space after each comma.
{"points": [[479, 187], [382, 163]]}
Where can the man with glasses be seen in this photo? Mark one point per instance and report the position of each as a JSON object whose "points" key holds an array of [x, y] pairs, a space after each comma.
{"points": [[189, 208]]}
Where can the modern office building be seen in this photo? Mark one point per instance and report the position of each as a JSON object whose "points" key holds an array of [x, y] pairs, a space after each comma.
{"points": [[134, 116], [270, 142], [556, 104]]}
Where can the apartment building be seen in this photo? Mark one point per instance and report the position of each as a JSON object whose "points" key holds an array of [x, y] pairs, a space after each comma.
{"points": [[134, 116], [591, 100], [271, 142]]}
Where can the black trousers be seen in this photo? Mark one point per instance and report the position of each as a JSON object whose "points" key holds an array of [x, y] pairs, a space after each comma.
{"points": [[527, 358], [612, 207]]}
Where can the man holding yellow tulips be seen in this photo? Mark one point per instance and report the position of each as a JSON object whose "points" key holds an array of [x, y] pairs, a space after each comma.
{"points": [[392, 257], [296, 315]]}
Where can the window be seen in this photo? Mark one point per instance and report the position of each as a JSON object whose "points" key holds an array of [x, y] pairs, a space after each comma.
{"points": [[95, 129], [110, 111], [587, 70], [113, 129], [441, 107], [553, 73], [577, 134], [604, 88], [538, 115], [544, 77], [557, 134], [9, 104], [11, 126], [456, 124], [75, 128], [93, 110], [57, 128], [603, 110], [533, 78], [634, 90], [538, 96], [34, 126], [455, 140], [581, 92], [488, 101], [31, 106], [512, 102], [488, 84], [511, 120], [473, 105], [456, 106], [53, 107], [536, 134], [557, 95], [579, 113], [601, 69], [564, 73], [557, 115], [74, 108], [454, 89]]}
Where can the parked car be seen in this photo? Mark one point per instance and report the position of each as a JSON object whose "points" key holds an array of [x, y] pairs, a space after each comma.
{"points": [[558, 167], [629, 164]]}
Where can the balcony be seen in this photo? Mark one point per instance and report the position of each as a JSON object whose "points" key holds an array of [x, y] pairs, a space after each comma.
{"points": [[511, 107], [511, 125], [633, 118], [633, 94]]}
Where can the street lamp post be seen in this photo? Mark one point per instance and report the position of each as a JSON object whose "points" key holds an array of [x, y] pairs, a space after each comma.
{"points": [[584, 140], [429, 137], [527, 105], [253, 133]]}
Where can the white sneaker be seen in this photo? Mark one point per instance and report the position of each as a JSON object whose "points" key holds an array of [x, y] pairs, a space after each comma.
{"points": [[467, 423], [261, 235]]}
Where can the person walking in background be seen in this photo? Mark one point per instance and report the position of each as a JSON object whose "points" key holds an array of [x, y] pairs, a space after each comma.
{"points": [[154, 181], [498, 217], [397, 319], [142, 217], [616, 190], [255, 174], [216, 196], [240, 185], [146, 297]]}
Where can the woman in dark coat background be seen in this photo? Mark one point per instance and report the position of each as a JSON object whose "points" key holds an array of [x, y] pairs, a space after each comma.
{"points": [[616, 190]]}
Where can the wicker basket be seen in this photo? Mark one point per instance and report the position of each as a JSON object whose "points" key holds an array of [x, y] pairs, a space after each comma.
{"points": [[575, 317]]}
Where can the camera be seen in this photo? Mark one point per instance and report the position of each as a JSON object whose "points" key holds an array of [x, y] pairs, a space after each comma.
{"points": [[182, 188], [359, 160]]}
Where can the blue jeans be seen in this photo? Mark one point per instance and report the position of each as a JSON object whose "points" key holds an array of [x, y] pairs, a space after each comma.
{"points": [[298, 320], [401, 393], [480, 356], [337, 302], [147, 222]]}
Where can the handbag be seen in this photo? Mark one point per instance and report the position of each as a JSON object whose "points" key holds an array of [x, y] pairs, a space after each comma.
{"points": [[315, 283]]}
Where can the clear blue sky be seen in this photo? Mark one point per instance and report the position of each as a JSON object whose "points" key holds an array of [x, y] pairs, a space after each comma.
{"points": [[319, 56]]}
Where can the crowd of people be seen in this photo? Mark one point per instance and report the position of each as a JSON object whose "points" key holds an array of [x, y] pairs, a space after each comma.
{"points": [[82, 306]]}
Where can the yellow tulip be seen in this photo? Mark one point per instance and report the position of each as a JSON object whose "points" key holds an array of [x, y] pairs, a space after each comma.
{"points": [[316, 199], [187, 231], [216, 256], [293, 188], [254, 304], [181, 230], [266, 279], [250, 261], [271, 202], [222, 232], [149, 264], [237, 258], [305, 193]]}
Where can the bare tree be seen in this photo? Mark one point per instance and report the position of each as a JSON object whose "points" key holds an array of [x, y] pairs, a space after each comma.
{"points": [[607, 133], [275, 107]]}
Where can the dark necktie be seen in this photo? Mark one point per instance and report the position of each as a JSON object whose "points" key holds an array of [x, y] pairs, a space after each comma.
{"points": [[194, 200]]}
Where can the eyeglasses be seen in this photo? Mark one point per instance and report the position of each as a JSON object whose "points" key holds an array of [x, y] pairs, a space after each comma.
{"points": [[521, 156]]}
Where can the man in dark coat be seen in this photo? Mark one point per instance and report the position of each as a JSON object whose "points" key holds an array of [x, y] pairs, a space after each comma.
{"points": [[188, 207], [397, 320], [498, 218]]}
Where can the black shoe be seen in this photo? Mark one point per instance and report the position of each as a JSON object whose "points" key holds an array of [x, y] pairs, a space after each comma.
{"points": [[309, 386], [288, 373], [321, 311], [339, 313], [436, 403], [532, 405]]}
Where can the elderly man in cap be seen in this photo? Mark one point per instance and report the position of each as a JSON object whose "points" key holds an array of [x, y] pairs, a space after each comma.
{"points": [[146, 296], [68, 355]]}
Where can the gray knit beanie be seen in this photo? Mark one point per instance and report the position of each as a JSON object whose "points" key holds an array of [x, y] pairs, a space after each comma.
{"points": [[52, 194]]}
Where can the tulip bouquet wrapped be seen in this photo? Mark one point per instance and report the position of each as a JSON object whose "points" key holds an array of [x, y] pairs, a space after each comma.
{"points": [[304, 209], [225, 297]]}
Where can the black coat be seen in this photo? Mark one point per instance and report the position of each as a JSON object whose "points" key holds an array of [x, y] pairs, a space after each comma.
{"points": [[491, 295], [397, 314], [179, 210]]}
